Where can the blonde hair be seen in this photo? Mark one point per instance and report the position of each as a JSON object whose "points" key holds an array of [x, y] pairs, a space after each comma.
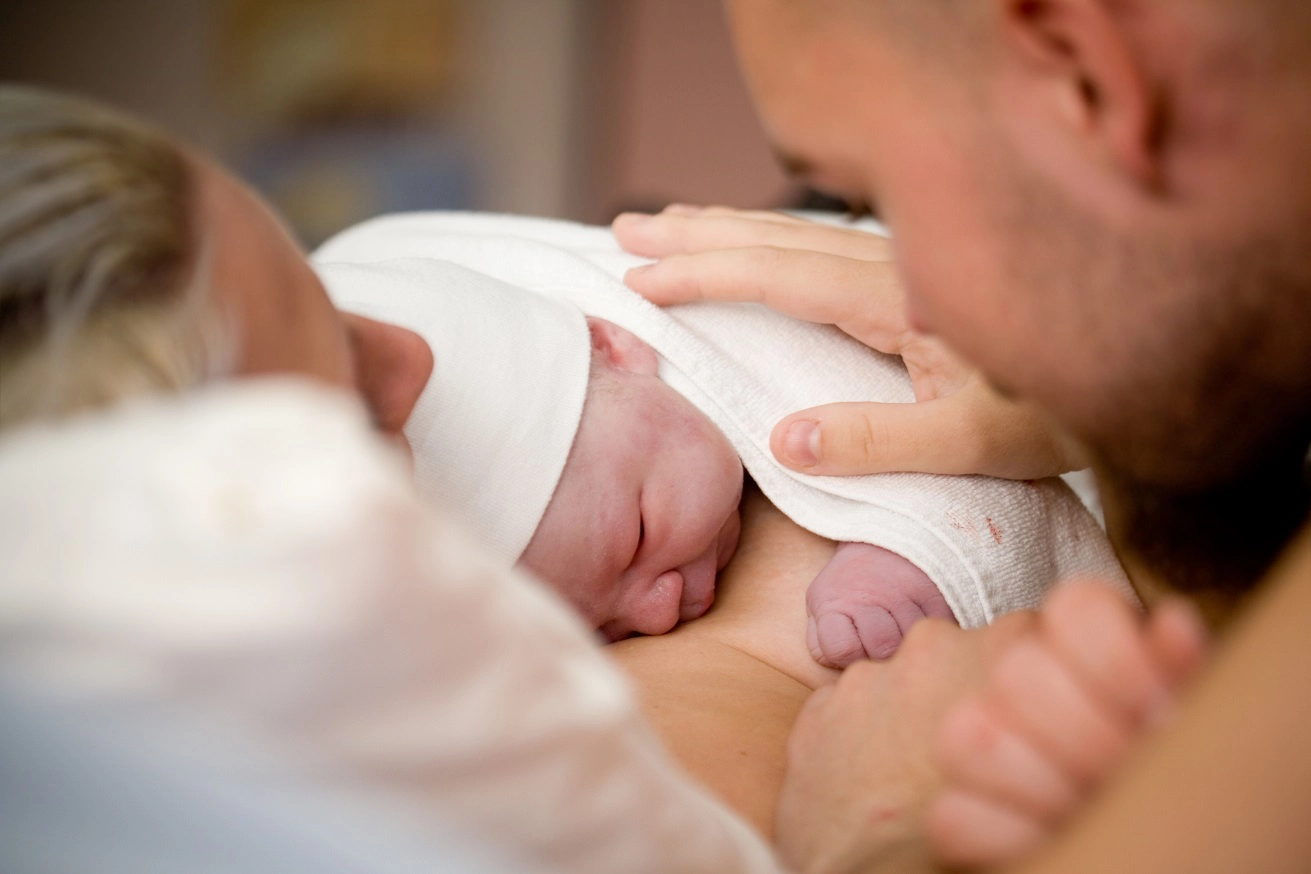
{"points": [[99, 256]]}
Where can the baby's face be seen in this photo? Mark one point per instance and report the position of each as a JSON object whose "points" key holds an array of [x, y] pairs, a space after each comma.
{"points": [[645, 514]]}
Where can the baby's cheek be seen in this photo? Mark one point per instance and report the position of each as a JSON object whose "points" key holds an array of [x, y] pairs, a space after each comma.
{"points": [[555, 556], [728, 539]]}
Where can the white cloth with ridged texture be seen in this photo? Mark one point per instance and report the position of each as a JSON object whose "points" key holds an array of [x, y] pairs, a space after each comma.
{"points": [[990, 545], [493, 428]]}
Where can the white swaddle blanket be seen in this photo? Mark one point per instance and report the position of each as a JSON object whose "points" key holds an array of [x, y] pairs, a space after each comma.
{"points": [[990, 545]]}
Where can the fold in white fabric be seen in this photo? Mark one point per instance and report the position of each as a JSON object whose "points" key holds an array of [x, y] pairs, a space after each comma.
{"points": [[991, 546], [252, 562], [493, 427]]}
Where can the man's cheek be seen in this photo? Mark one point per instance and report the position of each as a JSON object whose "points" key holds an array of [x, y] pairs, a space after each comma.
{"points": [[920, 285]]}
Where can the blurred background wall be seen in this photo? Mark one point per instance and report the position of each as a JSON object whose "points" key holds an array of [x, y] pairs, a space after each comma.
{"points": [[341, 109]]}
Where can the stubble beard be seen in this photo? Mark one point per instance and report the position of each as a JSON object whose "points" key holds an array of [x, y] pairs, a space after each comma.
{"points": [[1200, 420]]}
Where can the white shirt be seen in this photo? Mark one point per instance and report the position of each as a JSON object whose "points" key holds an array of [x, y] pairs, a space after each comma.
{"points": [[252, 559]]}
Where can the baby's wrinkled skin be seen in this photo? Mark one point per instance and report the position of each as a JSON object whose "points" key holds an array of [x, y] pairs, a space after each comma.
{"points": [[646, 515]]}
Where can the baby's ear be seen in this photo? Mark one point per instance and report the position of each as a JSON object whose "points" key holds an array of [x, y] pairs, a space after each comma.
{"points": [[624, 349]]}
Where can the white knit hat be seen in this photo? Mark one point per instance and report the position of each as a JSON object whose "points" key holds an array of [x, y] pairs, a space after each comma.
{"points": [[493, 428]]}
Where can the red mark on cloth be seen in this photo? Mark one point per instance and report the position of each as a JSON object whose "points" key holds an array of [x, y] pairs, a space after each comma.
{"points": [[960, 525], [996, 529]]}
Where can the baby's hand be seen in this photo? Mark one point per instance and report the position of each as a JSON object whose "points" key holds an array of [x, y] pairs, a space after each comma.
{"points": [[863, 602]]}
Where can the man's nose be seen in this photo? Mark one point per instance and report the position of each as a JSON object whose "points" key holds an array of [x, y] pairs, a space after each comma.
{"points": [[392, 367]]}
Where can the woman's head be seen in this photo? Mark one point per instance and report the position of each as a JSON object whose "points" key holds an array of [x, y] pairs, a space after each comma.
{"points": [[98, 256], [130, 265]]}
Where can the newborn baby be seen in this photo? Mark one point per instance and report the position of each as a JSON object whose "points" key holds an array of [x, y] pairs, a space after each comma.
{"points": [[645, 516], [612, 466]]}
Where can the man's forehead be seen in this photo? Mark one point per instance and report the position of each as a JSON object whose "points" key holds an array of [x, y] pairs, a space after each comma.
{"points": [[818, 93]]}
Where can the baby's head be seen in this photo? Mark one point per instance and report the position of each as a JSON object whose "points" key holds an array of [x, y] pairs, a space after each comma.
{"points": [[645, 513], [569, 457]]}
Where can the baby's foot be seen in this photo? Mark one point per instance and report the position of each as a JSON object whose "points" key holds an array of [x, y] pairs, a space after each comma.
{"points": [[1058, 715], [863, 602]]}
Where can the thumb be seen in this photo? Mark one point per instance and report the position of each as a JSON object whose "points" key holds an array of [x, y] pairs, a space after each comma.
{"points": [[848, 439]]}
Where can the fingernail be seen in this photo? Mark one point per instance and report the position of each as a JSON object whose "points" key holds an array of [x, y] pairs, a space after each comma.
{"points": [[801, 444]]}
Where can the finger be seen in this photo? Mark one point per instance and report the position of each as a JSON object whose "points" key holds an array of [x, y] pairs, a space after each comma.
{"points": [[684, 209], [806, 285], [1006, 630], [966, 432], [968, 830], [839, 643], [1178, 639], [864, 297], [976, 751], [1042, 702], [858, 438], [768, 215], [1100, 636], [677, 232], [1011, 439]]}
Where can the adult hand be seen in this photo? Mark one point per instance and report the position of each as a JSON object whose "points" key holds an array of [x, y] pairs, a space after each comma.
{"points": [[845, 277], [861, 757]]}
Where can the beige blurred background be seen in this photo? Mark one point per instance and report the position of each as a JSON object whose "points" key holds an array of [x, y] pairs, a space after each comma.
{"points": [[341, 109]]}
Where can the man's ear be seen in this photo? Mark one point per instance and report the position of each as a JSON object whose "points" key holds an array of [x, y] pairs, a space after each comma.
{"points": [[1072, 63], [622, 348]]}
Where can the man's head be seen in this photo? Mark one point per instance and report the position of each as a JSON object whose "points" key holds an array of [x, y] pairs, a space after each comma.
{"points": [[645, 513], [130, 265], [1105, 205]]}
